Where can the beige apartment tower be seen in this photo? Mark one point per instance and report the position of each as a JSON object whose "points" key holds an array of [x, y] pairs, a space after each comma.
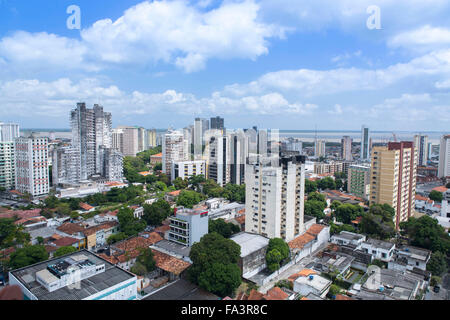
{"points": [[393, 178]]}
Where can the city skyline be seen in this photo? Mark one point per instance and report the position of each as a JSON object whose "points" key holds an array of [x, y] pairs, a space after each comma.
{"points": [[318, 64]]}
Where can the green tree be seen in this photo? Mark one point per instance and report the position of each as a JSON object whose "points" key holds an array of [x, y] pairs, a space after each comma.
{"points": [[11, 234], [26, 256], [51, 202], [326, 183], [334, 290], [273, 259], [347, 212], [147, 259], [378, 222], [223, 228], [214, 266], [139, 269], [40, 240], [335, 204], [425, 232], [435, 280], [116, 238], [436, 196], [63, 209], [315, 208], [281, 246], [339, 183], [64, 250], [437, 264], [179, 183], [157, 212], [234, 192], [130, 225], [221, 279], [189, 198], [310, 186], [317, 196]]}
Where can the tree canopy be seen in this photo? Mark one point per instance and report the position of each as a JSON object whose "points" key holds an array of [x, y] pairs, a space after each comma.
{"points": [[130, 225], [436, 196], [378, 222], [27, 255], [223, 228], [326, 183], [277, 252], [437, 264], [345, 213], [11, 234], [157, 212], [64, 250], [214, 265], [189, 198], [425, 232]]}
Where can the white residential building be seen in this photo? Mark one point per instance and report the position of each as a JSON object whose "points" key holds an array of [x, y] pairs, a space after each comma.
{"points": [[31, 163], [9, 131], [444, 157], [275, 198], [7, 165], [381, 250], [217, 155], [348, 238], [173, 150], [314, 284], [186, 169]]}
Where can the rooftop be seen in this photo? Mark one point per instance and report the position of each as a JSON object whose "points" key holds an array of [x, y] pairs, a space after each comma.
{"points": [[414, 252], [172, 247], [88, 287], [380, 243], [70, 228], [182, 290], [351, 236], [249, 242], [169, 263]]}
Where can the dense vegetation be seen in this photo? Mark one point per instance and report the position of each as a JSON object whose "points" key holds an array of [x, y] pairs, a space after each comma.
{"points": [[277, 253], [223, 228], [214, 265]]}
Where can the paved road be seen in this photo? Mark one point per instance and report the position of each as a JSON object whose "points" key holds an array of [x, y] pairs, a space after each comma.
{"points": [[291, 270]]}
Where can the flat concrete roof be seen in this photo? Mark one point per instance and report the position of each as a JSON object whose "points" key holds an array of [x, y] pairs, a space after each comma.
{"points": [[173, 247], [249, 242], [110, 277], [182, 290], [380, 243]]}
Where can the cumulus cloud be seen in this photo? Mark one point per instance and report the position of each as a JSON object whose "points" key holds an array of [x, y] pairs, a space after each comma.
{"points": [[423, 38], [173, 32]]}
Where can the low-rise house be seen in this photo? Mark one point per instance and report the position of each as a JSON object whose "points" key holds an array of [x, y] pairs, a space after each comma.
{"points": [[409, 257], [381, 250], [313, 283], [314, 237], [274, 293], [392, 284], [225, 211], [138, 211], [97, 236], [156, 158], [85, 208], [348, 238], [172, 196], [253, 253], [334, 261]]}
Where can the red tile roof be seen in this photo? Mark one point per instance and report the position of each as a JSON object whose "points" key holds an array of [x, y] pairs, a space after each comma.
{"points": [[70, 228], [276, 294], [170, 264], [66, 241], [133, 245], [240, 219], [301, 241], [421, 198], [85, 206], [104, 226], [342, 297], [315, 229], [302, 273], [175, 193], [21, 214], [440, 189], [255, 295]]}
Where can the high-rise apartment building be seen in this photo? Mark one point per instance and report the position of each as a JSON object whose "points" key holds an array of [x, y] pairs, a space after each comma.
{"points": [[9, 131], [112, 164], [91, 129], [393, 178], [346, 148], [65, 165], [130, 138], [365, 144], [200, 127], [173, 150], [151, 138], [421, 143], [7, 165], [217, 123], [444, 157], [217, 155], [275, 198], [358, 181], [31, 164], [319, 148], [238, 156], [187, 169]]}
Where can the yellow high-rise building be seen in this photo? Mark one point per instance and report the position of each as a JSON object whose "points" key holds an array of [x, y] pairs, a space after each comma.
{"points": [[393, 178]]}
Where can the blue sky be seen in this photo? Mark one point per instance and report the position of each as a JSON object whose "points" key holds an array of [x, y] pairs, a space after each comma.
{"points": [[273, 63]]}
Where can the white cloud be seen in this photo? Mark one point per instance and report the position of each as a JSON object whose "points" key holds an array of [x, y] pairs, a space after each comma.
{"points": [[336, 110], [308, 82], [173, 32], [425, 37]]}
